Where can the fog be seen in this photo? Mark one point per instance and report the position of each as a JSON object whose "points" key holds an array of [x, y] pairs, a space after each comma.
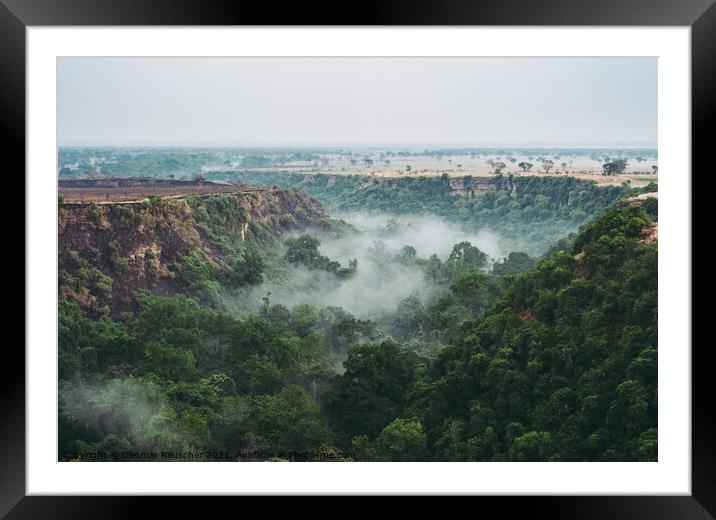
{"points": [[383, 279], [428, 234], [119, 406]]}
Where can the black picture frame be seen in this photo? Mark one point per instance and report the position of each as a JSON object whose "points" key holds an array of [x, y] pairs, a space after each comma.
{"points": [[700, 15]]}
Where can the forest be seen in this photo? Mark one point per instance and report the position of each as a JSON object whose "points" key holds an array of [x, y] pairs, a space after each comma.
{"points": [[530, 212], [518, 324]]}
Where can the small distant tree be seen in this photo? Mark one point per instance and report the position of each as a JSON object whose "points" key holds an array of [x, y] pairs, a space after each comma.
{"points": [[408, 167], [199, 180], [615, 167], [564, 167], [547, 165], [496, 166], [655, 169], [525, 166]]}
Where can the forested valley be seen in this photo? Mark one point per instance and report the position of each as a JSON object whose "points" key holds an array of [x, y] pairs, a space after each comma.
{"points": [[421, 319]]}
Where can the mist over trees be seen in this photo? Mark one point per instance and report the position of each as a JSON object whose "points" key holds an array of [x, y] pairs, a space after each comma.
{"points": [[516, 321], [548, 362]]}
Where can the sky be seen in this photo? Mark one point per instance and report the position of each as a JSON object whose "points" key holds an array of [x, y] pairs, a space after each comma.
{"points": [[361, 101]]}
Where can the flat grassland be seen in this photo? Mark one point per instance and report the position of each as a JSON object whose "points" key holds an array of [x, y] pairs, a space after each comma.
{"points": [[637, 180], [135, 194]]}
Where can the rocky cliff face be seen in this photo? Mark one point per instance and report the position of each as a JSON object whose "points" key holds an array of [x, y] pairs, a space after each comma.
{"points": [[109, 251], [471, 187]]}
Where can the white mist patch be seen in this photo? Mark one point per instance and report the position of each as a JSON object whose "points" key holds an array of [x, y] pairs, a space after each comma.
{"points": [[370, 293], [119, 406], [381, 281], [428, 234]]}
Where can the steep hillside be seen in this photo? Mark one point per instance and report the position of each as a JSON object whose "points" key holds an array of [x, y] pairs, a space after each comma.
{"points": [[556, 363], [192, 245], [564, 366]]}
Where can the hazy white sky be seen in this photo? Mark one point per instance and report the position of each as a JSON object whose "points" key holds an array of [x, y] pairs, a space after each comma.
{"points": [[459, 101]]}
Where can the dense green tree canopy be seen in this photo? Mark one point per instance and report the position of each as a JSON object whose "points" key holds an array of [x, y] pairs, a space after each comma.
{"points": [[520, 359]]}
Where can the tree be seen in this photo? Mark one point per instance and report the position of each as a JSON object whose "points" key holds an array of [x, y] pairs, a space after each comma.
{"points": [[253, 267], [474, 290], [248, 270], [498, 167], [651, 206], [628, 413], [262, 375], [615, 167], [464, 257], [303, 250], [303, 318], [407, 317], [170, 362], [525, 166], [547, 165], [288, 421], [646, 446], [516, 262], [402, 440], [408, 255], [534, 447], [482, 446], [372, 391]]}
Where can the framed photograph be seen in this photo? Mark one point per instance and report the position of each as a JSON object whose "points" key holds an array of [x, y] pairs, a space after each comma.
{"points": [[443, 250]]}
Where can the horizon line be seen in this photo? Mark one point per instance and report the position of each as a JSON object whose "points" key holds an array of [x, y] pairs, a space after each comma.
{"points": [[366, 144]]}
